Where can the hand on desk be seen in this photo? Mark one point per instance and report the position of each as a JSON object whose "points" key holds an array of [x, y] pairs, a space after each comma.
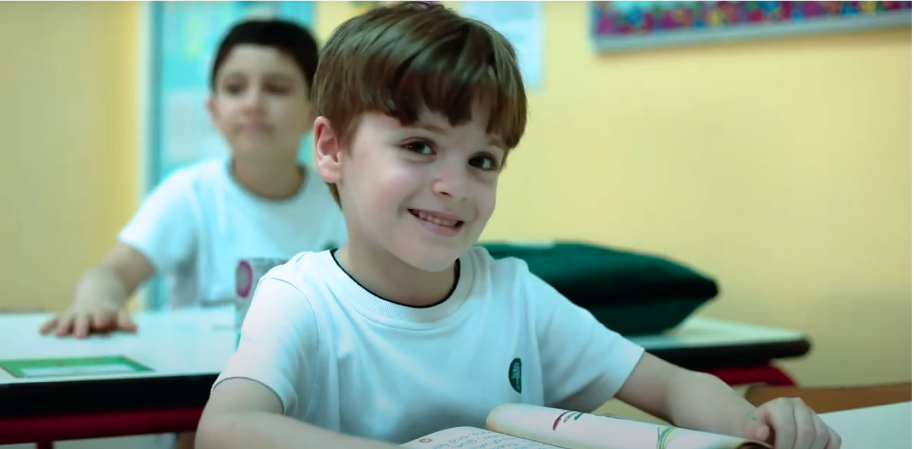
{"points": [[790, 424], [90, 316]]}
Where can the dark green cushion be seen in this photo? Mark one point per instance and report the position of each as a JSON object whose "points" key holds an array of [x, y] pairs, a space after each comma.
{"points": [[629, 292]]}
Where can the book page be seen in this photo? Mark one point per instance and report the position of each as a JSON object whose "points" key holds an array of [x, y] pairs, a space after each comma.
{"points": [[473, 438], [575, 430]]}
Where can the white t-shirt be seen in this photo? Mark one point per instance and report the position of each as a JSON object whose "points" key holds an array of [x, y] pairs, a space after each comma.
{"points": [[196, 225], [343, 359]]}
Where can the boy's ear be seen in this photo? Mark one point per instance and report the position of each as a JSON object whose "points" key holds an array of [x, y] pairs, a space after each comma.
{"points": [[327, 151], [211, 108]]}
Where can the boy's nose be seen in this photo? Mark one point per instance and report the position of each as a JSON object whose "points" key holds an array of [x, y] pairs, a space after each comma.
{"points": [[452, 181], [254, 100]]}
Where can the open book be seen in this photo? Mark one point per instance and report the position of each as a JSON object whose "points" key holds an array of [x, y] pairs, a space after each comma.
{"points": [[522, 426]]}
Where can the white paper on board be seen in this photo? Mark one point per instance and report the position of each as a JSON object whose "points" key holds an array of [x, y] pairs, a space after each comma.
{"points": [[189, 132], [522, 23]]}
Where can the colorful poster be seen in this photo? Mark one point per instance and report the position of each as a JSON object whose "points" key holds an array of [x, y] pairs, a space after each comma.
{"points": [[72, 367], [631, 24]]}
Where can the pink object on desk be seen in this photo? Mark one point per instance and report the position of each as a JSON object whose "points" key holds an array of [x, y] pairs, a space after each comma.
{"points": [[765, 374]]}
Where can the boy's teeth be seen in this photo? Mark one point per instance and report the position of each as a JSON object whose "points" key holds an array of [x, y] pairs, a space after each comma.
{"points": [[436, 220]]}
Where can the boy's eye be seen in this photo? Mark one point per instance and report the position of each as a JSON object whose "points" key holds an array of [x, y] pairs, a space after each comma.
{"points": [[275, 89], [234, 89], [484, 162], [418, 147], [278, 89]]}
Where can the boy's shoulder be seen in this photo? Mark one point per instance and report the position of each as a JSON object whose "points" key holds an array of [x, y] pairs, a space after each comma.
{"points": [[306, 269], [507, 278], [502, 267], [205, 172], [497, 270]]}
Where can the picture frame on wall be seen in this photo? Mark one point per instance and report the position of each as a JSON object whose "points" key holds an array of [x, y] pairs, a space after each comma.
{"points": [[631, 25]]}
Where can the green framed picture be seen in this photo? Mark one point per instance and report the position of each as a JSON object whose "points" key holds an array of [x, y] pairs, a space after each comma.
{"points": [[72, 367]]}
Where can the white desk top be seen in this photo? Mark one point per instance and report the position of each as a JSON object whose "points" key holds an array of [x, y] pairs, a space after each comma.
{"points": [[697, 332], [191, 342], [883, 427]]}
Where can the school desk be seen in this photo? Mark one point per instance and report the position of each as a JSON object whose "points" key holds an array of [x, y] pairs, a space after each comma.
{"points": [[738, 353], [186, 350]]}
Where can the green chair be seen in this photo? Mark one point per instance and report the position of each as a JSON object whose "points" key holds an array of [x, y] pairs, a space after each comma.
{"points": [[631, 293]]}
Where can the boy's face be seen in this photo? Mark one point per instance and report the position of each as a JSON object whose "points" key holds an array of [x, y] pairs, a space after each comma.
{"points": [[260, 104], [423, 193]]}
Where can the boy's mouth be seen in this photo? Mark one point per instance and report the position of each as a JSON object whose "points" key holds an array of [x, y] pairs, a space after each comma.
{"points": [[436, 218]]}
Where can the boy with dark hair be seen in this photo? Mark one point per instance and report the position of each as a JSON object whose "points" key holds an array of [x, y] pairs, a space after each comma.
{"points": [[259, 201], [409, 328]]}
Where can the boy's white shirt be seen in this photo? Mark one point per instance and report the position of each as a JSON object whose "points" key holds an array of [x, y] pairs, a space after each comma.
{"points": [[340, 358], [196, 225]]}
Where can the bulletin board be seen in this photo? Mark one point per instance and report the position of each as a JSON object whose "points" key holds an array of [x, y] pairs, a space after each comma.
{"points": [[627, 25], [183, 37]]}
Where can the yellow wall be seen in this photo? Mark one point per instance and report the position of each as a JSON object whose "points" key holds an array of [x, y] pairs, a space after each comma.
{"points": [[782, 167], [68, 148]]}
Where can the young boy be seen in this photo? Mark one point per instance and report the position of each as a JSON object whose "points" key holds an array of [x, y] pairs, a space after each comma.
{"points": [[257, 202], [408, 328]]}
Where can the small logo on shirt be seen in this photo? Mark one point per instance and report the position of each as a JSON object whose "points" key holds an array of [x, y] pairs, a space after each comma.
{"points": [[514, 374]]}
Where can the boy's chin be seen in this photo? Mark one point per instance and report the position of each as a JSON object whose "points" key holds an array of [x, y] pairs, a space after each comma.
{"points": [[431, 260], [257, 153]]}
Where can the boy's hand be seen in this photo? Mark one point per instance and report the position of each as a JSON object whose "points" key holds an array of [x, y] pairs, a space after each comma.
{"points": [[789, 424], [91, 316]]}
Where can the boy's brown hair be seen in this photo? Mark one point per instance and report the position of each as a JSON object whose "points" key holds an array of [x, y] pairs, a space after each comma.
{"points": [[398, 59]]}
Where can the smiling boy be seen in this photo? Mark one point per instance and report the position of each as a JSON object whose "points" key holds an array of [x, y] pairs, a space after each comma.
{"points": [[409, 328]]}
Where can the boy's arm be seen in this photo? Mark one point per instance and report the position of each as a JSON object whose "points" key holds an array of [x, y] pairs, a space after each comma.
{"points": [[117, 277], [161, 235], [164, 231], [277, 354], [243, 413], [585, 364], [685, 398]]}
